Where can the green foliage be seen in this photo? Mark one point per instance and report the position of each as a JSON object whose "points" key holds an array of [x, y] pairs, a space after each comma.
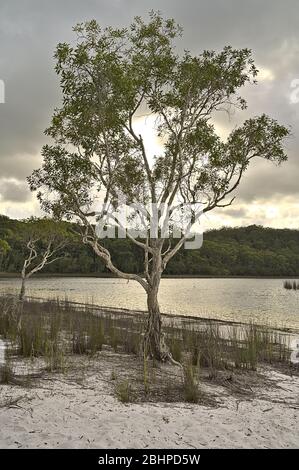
{"points": [[44, 229], [4, 247], [244, 251]]}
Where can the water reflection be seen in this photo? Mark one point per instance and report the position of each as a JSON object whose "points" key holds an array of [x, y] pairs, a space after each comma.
{"points": [[244, 300]]}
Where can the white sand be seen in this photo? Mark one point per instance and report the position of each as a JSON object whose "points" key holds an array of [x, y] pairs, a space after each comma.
{"points": [[58, 413]]}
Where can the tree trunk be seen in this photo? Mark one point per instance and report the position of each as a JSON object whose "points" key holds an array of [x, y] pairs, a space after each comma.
{"points": [[154, 342], [20, 304], [23, 288]]}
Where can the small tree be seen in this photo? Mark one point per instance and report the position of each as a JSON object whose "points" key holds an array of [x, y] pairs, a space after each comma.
{"points": [[108, 78], [45, 241], [4, 249]]}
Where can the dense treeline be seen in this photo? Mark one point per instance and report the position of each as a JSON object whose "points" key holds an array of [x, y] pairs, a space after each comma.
{"points": [[251, 251]]}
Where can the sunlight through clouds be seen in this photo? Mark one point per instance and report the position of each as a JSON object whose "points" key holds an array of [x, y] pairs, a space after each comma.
{"points": [[265, 74], [267, 195], [146, 127]]}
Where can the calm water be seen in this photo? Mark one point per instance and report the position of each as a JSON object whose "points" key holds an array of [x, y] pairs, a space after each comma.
{"points": [[261, 300]]}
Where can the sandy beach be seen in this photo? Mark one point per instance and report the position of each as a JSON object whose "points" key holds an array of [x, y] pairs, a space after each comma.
{"points": [[63, 412]]}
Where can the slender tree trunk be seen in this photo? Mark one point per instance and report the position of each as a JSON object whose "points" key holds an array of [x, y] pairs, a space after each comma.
{"points": [[23, 289], [21, 303], [154, 342]]}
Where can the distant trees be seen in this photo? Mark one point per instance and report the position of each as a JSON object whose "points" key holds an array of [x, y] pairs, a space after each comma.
{"points": [[108, 78], [4, 249], [243, 251]]}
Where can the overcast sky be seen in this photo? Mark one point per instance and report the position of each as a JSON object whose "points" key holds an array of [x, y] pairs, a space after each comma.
{"points": [[30, 30]]}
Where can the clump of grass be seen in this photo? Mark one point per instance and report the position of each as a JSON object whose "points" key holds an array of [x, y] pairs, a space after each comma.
{"points": [[291, 285], [96, 336], [272, 346], [79, 342], [131, 342], [55, 357], [87, 335], [8, 325], [243, 347], [31, 338], [252, 344], [114, 337], [176, 349], [191, 389], [113, 375], [208, 350], [6, 373], [124, 391]]}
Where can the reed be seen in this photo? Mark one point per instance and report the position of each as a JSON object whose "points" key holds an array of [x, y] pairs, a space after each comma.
{"points": [[55, 330], [6, 373], [191, 388], [55, 357], [291, 285], [124, 391], [176, 349]]}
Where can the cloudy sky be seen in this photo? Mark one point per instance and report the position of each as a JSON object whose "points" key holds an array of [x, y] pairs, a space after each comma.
{"points": [[30, 30]]}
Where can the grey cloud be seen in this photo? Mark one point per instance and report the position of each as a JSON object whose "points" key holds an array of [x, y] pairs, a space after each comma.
{"points": [[29, 32], [12, 191], [239, 212]]}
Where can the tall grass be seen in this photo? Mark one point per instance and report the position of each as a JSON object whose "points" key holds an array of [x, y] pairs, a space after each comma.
{"points": [[54, 330], [291, 285], [124, 391], [6, 373], [191, 386], [55, 357], [235, 347], [50, 327]]}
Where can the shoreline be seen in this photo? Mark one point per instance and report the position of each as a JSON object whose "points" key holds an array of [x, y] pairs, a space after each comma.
{"points": [[170, 316], [4, 275], [121, 311]]}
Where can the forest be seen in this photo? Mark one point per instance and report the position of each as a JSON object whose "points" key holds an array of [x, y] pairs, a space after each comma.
{"points": [[241, 251]]}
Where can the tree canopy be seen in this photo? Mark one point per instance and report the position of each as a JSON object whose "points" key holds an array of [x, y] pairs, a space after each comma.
{"points": [[108, 78]]}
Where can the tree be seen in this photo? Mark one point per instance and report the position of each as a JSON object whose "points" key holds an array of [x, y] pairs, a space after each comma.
{"points": [[4, 249], [110, 76], [45, 241]]}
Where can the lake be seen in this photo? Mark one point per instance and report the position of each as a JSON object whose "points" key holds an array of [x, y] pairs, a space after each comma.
{"points": [[244, 300]]}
